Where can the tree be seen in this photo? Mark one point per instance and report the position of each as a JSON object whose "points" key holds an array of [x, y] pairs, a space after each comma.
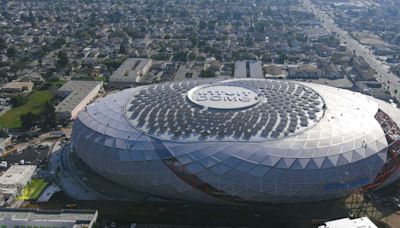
{"points": [[249, 40], [48, 116], [114, 17], [281, 59], [48, 74], [191, 56], [28, 120], [18, 100], [11, 52], [3, 44], [180, 56], [3, 133], [207, 74], [211, 25], [202, 25], [31, 17], [134, 33], [62, 59], [45, 86], [123, 49], [58, 43], [193, 38], [113, 64], [237, 15]]}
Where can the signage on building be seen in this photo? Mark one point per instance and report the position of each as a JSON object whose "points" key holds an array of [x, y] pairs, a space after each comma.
{"points": [[223, 97]]}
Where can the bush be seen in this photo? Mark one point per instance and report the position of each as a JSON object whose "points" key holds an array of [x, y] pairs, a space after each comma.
{"points": [[207, 74], [18, 101], [33, 190]]}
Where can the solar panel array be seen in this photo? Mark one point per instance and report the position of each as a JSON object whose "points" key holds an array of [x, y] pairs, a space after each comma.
{"points": [[164, 111]]}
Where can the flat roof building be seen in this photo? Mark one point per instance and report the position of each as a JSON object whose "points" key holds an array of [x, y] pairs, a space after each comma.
{"points": [[10, 218], [315, 34], [15, 87], [76, 94], [306, 71], [363, 222], [15, 178], [130, 72], [274, 71], [248, 69], [4, 142]]}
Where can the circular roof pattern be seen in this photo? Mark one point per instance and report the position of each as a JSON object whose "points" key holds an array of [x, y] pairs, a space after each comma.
{"points": [[238, 110]]}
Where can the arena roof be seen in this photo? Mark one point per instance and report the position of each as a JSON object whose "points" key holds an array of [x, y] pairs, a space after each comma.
{"points": [[225, 110], [343, 127], [188, 135]]}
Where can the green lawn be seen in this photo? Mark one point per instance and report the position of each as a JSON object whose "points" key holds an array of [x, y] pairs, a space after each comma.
{"points": [[33, 190], [34, 104], [58, 83]]}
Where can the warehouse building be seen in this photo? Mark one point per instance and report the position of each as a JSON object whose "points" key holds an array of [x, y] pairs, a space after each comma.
{"points": [[248, 69], [363, 222], [15, 178], [130, 72], [75, 96], [31, 218], [17, 87]]}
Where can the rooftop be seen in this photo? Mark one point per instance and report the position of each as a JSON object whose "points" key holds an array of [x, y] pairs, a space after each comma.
{"points": [[15, 174], [129, 70], [75, 92], [315, 33], [249, 69], [273, 70], [363, 222], [233, 109], [18, 86], [76, 216]]}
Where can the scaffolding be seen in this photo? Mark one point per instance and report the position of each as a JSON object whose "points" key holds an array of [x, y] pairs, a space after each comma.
{"points": [[392, 134], [358, 201]]}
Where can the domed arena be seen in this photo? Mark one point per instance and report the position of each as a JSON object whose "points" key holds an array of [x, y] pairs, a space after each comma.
{"points": [[240, 141]]}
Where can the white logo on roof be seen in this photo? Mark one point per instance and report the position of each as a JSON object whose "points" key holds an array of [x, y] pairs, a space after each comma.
{"points": [[223, 97]]}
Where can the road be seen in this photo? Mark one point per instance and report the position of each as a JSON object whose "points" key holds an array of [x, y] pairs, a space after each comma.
{"points": [[383, 74]]}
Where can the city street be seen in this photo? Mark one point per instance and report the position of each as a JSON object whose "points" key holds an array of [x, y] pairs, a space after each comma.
{"points": [[390, 81]]}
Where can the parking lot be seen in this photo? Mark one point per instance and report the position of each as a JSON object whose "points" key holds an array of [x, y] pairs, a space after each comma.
{"points": [[34, 155]]}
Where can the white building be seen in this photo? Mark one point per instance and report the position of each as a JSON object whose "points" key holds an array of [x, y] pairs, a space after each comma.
{"points": [[130, 72], [15, 87], [10, 218], [76, 94], [305, 142], [15, 178], [363, 222], [4, 142], [248, 69]]}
